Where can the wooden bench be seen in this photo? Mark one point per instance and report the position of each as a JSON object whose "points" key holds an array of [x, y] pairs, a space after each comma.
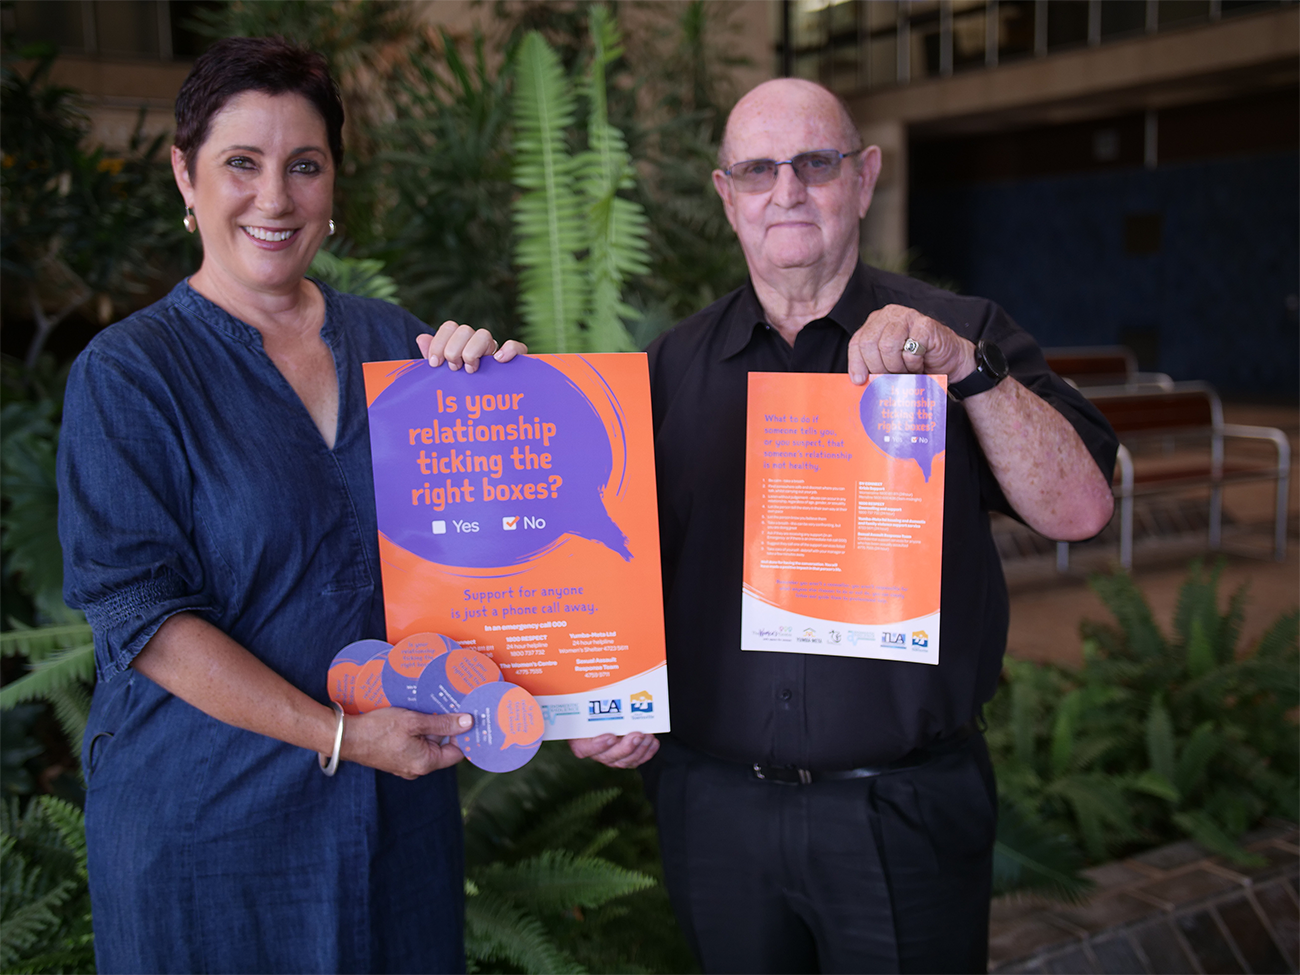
{"points": [[1102, 365], [1186, 411]]}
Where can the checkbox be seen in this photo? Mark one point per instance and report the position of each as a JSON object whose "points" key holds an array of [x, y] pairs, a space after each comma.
{"points": [[440, 528], [510, 523]]}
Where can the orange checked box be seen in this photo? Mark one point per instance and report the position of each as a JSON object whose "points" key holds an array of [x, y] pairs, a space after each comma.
{"points": [[510, 523]]}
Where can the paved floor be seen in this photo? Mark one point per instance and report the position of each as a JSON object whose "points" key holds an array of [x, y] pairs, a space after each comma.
{"points": [[1046, 607]]}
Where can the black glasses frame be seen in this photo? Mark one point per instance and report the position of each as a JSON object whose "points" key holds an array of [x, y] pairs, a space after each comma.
{"points": [[798, 165]]}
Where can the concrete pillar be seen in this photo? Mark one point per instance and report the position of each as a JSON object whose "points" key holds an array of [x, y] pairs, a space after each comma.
{"points": [[884, 231]]}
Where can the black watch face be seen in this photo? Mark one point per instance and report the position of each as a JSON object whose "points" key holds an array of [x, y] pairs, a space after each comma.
{"points": [[995, 362]]}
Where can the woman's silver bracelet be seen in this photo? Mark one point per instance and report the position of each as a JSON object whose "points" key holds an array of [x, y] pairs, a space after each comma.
{"points": [[332, 766]]}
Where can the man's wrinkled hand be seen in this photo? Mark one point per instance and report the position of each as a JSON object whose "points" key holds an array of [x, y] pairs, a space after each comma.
{"points": [[882, 345], [627, 751]]}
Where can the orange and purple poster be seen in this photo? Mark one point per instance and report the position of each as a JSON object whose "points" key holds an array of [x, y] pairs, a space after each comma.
{"points": [[844, 515], [517, 515]]}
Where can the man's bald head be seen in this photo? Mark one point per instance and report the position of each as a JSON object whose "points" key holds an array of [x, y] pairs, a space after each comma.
{"points": [[780, 98]]}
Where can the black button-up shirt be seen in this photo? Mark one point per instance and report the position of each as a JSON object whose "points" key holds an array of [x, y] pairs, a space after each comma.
{"points": [[809, 710]]}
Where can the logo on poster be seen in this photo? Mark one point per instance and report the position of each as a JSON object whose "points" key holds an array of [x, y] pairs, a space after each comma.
{"points": [[643, 702], [833, 636], [553, 712], [860, 636], [783, 634], [606, 710], [920, 638], [888, 639]]}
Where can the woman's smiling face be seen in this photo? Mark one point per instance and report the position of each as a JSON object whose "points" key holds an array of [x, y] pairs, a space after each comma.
{"points": [[262, 191]]}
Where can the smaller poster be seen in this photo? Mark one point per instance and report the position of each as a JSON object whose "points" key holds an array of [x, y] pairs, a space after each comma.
{"points": [[518, 516], [844, 515]]}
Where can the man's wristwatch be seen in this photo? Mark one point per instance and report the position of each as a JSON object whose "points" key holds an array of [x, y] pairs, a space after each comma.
{"points": [[990, 369]]}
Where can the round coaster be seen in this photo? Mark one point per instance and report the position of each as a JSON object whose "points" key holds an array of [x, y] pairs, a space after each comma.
{"points": [[450, 676], [354, 676], [406, 661], [507, 728]]}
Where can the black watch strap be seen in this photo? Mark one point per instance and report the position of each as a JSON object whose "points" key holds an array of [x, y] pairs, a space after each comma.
{"points": [[990, 369]]}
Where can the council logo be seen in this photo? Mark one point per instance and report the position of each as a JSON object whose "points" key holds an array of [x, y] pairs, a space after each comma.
{"points": [[605, 710], [642, 702]]}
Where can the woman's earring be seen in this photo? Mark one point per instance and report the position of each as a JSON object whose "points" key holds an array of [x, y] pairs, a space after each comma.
{"points": [[189, 222], [331, 228]]}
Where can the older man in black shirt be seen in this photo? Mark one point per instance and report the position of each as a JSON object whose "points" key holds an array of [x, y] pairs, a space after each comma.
{"points": [[824, 812]]}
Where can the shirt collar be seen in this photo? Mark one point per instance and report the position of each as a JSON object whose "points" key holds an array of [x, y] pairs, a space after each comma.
{"points": [[855, 303]]}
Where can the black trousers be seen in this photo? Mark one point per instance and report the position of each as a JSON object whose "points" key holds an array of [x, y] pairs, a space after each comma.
{"points": [[885, 874]]}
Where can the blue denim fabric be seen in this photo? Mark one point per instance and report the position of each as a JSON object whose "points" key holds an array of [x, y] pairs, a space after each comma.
{"points": [[192, 478]]}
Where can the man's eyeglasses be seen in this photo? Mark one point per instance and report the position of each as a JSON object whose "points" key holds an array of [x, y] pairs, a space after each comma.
{"points": [[813, 169]]}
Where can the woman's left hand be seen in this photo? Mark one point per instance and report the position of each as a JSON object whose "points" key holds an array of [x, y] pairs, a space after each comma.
{"points": [[461, 345]]}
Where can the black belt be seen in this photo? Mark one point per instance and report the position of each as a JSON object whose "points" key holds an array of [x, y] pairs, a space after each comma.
{"points": [[789, 775]]}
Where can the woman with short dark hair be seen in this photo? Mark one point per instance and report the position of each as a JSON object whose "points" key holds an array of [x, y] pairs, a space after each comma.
{"points": [[218, 525]]}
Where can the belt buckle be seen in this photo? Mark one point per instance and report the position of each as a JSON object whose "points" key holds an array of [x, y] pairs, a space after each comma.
{"points": [[803, 775]]}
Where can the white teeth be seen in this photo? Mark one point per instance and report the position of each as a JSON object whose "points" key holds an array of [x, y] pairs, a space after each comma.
{"points": [[269, 235]]}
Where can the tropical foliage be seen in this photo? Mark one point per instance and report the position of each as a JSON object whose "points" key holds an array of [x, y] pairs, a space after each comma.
{"points": [[577, 239], [44, 900], [562, 871], [81, 228], [1157, 737]]}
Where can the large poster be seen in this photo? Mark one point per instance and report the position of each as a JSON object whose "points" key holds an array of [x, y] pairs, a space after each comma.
{"points": [[517, 515], [844, 515]]}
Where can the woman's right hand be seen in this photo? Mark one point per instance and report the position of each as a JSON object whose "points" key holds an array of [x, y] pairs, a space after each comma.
{"points": [[462, 345], [403, 742]]}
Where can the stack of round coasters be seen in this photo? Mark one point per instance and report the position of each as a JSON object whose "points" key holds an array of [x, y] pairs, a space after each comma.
{"points": [[406, 661], [431, 673], [448, 677], [355, 676]]}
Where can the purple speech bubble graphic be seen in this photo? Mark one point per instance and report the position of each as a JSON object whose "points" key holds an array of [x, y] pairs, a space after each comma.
{"points": [[449, 677], [491, 468], [507, 730], [902, 416]]}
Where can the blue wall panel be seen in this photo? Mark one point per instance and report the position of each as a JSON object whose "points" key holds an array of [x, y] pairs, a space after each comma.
{"points": [[1220, 292]]}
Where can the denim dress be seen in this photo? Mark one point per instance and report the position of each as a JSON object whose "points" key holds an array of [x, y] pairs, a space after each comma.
{"points": [[193, 479]]}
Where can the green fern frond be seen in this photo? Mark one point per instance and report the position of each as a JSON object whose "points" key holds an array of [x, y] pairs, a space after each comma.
{"points": [[1201, 657], [1201, 748], [30, 921], [1063, 729], [1029, 857], [569, 819], [1160, 740], [70, 824], [496, 930], [558, 879], [72, 709], [1230, 624], [600, 841], [1204, 830], [618, 245], [363, 277], [548, 214], [1101, 809], [38, 643], [1194, 599], [1281, 639], [60, 669], [1122, 597]]}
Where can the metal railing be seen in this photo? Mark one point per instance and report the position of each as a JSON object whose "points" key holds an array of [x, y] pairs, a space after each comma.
{"points": [[851, 45]]}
